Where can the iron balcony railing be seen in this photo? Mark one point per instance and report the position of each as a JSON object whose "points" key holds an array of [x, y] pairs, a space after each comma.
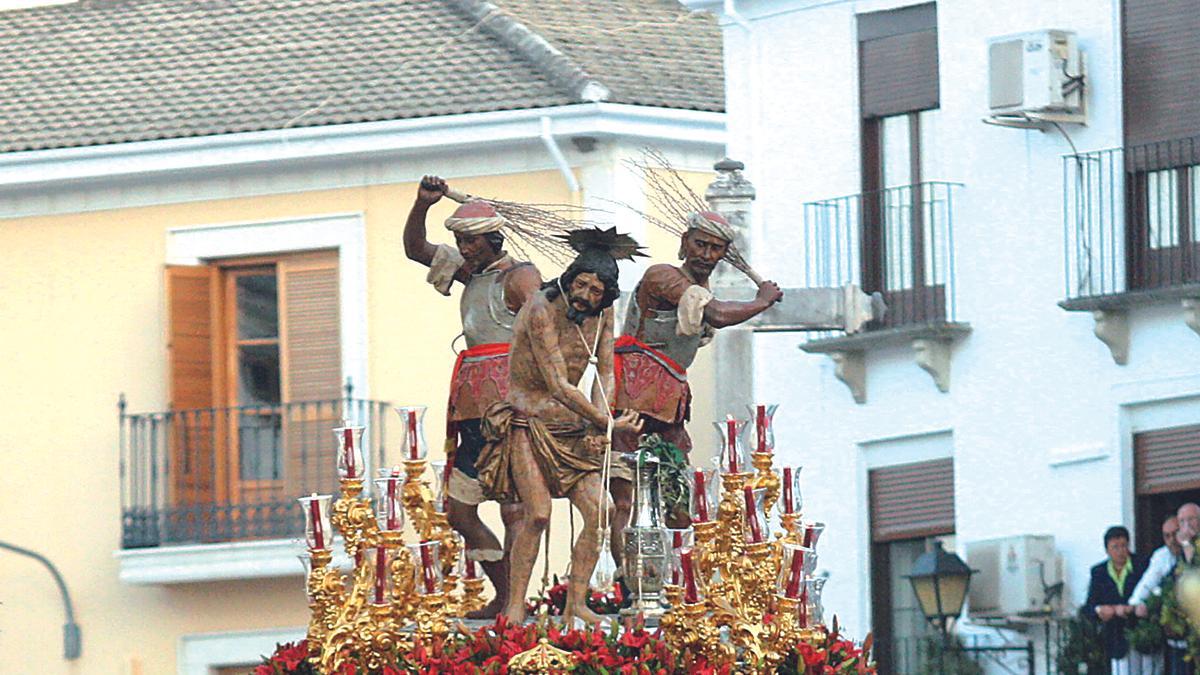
{"points": [[899, 241], [232, 474], [1131, 219]]}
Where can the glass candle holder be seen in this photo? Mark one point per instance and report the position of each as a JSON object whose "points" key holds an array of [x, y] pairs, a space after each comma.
{"points": [[811, 611], [350, 464], [389, 499], [733, 448], [441, 484], [756, 531], [790, 499], [428, 567], [692, 592], [794, 568], [812, 533], [380, 562], [318, 531], [678, 539], [705, 494], [763, 415], [412, 432]]}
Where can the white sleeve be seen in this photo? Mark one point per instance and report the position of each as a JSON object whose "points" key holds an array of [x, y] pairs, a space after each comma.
{"points": [[445, 264], [1160, 566], [691, 310]]}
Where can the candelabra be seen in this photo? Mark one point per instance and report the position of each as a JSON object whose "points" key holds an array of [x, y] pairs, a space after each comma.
{"points": [[398, 592], [733, 580]]}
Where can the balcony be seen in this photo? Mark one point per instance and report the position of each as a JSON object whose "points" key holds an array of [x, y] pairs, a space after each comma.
{"points": [[898, 241], [225, 480], [1132, 234]]}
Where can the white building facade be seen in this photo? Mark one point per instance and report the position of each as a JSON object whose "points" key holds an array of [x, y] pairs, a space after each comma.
{"points": [[985, 407]]}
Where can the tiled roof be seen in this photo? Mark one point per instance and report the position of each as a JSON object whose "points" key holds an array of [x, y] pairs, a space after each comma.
{"points": [[114, 71]]}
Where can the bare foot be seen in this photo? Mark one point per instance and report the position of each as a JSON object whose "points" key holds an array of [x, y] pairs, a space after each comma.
{"points": [[515, 614], [583, 613], [489, 611]]}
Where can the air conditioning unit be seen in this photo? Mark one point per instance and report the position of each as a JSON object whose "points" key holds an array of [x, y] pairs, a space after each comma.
{"points": [[1015, 576], [1036, 75]]}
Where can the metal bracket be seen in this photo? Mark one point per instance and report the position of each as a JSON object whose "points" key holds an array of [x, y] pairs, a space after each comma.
{"points": [[851, 368], [1112, 328], [933, 356]]}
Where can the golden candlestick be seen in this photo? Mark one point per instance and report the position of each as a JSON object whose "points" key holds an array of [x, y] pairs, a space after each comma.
{"points": [[741, 597]]}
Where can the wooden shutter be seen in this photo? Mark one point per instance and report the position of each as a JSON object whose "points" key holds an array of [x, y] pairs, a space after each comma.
{"points": [[898, 61], [193, 356], [312, 369], [912, 500], [1167, 460], [1160, 59]]}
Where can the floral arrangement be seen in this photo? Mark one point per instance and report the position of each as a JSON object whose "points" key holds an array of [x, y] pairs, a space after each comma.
{"points": [[634, 651], [554, 602]]}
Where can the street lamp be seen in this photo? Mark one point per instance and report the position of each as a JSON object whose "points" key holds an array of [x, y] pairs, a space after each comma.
{"points": [[940, 581]]}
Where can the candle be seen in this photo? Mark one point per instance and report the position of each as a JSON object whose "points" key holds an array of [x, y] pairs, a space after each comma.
{"points": [[348, 440], [795, 574], [393, 500], [701, 496], [381, 575], [691, 594], [413, 451], [804, 607], [314, 509], [731, 442], [472, 572], [760, 427], [810, 535], [427, 572], [787, 490], [756, 535], [445, 486]]}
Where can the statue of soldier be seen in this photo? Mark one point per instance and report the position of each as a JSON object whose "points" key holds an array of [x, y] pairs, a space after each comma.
{"points": [[671, 314], [549, 438], [495, 288]]}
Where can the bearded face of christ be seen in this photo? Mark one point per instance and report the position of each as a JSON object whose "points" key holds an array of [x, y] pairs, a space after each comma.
{"points": [[584, 297]]}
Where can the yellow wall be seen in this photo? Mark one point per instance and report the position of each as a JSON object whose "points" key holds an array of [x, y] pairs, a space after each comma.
{"points": [[81, 297]]}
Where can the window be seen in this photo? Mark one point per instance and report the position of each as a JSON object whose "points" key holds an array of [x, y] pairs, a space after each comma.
{"points": [[909, 505], [256, 383], [898, 97], [1166, 476]]}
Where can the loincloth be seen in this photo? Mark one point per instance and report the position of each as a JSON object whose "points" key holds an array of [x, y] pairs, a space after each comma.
{"points": [[649, 382], [561, 451]]}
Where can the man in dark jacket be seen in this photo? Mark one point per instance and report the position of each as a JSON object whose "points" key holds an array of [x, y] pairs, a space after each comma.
{"points": [[1108, 599]]}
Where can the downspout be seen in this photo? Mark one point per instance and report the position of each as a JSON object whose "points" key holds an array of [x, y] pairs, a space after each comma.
{"points": [[557, 154], [72, 645], [730, 11]]}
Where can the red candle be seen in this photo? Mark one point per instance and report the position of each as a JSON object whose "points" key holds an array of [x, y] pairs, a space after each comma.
{"points": [[449, 469], [804, 608], [676, 543], [795, 574], [413, 450], [381, 575], [348, 441], [393, 497], [756, 535], [427, 572], [760, 426], [731, 442], [810, 535], [691, 594], [701, 496], [314, 509], [787, 490], [472, 573]]}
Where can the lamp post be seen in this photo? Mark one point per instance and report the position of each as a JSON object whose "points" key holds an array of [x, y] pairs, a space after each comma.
{"points": [[940, 581]]}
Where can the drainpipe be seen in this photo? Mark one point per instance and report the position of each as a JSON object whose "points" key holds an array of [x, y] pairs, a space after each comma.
{"points": [[72, 641], [557, 154], [731, 12]]}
